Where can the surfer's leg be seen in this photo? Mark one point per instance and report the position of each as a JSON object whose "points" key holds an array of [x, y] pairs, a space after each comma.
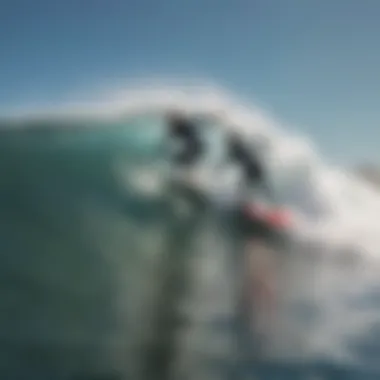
{"points": [[261, 279]]}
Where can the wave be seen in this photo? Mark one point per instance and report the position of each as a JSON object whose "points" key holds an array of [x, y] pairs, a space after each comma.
{"points": [[337, 213], [332, 204]]}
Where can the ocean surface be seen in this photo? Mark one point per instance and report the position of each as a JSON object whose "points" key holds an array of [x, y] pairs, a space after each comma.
{"points": [[84, 252]]}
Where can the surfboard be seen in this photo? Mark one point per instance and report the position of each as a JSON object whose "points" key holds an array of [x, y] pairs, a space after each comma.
{"points": [[254, 213]]}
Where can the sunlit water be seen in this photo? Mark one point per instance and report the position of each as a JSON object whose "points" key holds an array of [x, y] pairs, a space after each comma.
{"points": [[81, 248]]}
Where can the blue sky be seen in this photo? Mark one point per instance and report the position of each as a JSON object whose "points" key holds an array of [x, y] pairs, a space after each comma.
{"points": [[315, 63]]}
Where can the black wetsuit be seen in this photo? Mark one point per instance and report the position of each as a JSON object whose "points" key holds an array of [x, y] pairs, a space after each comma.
{"points": [[192, 146], [252, 169]]}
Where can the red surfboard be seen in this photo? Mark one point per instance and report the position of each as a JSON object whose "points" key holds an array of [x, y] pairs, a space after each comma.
{"points": [[274, 217]]}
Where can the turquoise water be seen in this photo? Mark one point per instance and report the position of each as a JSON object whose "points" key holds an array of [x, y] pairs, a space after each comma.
{"points": [[66, 226], [81, 258]]}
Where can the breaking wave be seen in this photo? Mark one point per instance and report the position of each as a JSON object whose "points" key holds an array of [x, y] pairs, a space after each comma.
{"points": [[332, 204], [337, 213]]}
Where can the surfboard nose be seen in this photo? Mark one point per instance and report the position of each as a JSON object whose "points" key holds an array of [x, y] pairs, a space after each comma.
{"points": [[278, 218]]}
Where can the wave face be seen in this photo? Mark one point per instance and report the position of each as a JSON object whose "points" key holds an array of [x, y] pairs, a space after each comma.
{"points": [[82, 236]]}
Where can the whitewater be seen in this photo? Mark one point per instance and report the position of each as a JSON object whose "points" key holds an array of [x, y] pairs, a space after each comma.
{"points": [[334, 267]]}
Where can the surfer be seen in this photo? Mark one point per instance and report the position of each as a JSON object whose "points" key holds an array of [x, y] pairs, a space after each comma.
{"points": [[184, 132], [259, 292], [247, 159], [186, 149]]}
